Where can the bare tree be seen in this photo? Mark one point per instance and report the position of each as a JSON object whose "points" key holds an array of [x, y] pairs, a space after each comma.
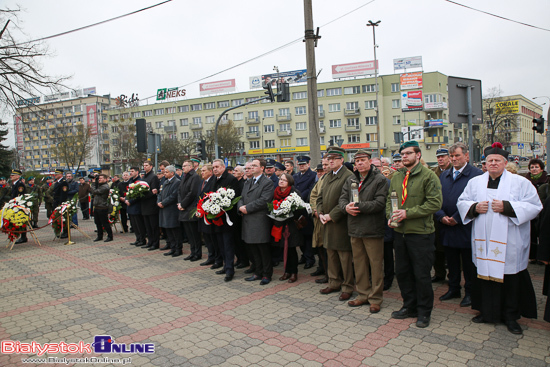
{"points": [[176, 151], [21, 74], [74, 146], [228, 139]]}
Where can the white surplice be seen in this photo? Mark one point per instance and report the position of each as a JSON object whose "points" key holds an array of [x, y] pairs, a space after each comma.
{"points": [[496, 237]]}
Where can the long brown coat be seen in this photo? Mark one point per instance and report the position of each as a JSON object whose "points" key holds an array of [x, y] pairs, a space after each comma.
{"points": [[336, 231], [317, 240]]}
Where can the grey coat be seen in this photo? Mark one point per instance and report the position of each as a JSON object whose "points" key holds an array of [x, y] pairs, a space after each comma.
{"points": [[188, 196], [168, 196], [256, 226]]}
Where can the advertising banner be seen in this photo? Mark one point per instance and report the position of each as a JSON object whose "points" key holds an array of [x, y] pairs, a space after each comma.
{"points": [[354, 69], [290, 77], [411, 81], [223, 86], [167, 93], [506, 107], [407, 62], [411, 101], [28, 101], [90, 90], [91, 118]]}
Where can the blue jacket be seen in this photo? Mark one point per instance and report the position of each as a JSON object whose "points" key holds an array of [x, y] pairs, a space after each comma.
{"points": [[304, 183], [458, 236], [135, 206]]}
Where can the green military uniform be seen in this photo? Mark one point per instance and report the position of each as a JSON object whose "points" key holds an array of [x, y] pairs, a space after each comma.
{"points": [[37, 201], [47, 189]]}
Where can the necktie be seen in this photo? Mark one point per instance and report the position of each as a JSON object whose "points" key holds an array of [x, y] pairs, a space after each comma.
{"points": [[203, 183], [404, 193], [456, 173]]}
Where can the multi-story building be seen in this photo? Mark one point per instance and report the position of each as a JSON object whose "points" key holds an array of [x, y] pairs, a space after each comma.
{"points": [[41, 126]]}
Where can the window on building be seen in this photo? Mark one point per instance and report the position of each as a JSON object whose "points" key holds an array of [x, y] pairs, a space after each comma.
{"points": [[320, 93], [254, 128], [352, 90], [149, 126], [354, 138], [159, 111], [299, 95], [371, 137], [353, 122], [269, 128], [252, 114], [268, 113], [223, 104], [170, 110], [255, 144], [159, 125], [197, 120], [196, 107], [395, 87], [322, 140], [335, 123], [136, 115], [335, 138], [184, 122], [197, 134], [284, 127], [431, 98], [184, 135], [183, 108], [397, 137], [237, 102], [369, 88], [371, 120], [210, 119], [269, 143], [301, 142], [171, 123], [301, 126], [334, 92], [395, 103], [300, 110], [334, 107], [209, 133], [284, 111], [397, 120], [286, 142], [114, 129], [352, 106], [370, 105], [240, 130], [209, 105], [238, 116], [250, 99]]}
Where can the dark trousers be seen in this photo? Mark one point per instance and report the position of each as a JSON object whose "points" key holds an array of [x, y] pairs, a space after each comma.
{"points": [[414, 257], [389, 270], [194, 238], [307, 250], [210, 243], [456, 257], [175, 238], [226, 246], [291, 261], [152, 229], [85, 208], [439, 260], [322, 254], [139, 227], [261, 252], [101, 220], [124, 219]]}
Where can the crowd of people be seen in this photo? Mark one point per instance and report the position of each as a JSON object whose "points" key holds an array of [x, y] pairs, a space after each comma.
{"points": [[368, 222]]}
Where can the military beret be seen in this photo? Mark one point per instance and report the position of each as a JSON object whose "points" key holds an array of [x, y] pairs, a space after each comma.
{"points": [[408, 144], [2, 178], [178, 166], [30, 178]]}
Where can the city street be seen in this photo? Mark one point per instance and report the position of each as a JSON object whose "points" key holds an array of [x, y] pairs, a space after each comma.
{"points": [[57, 293]]}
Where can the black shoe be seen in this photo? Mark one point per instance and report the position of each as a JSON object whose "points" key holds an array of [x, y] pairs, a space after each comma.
{"points": [[309, 266], [318, 272], [450, 295], [167, 247], [220, 272], [185, 240], [404, 313], [466, 301], [423, 321], [21, 240], [436, 279], [97, 239], [276, 263], [134, 243], [321, 280], [131, 230], [249, 271], [108, 239], [188, 257], [195, 258], [387, 286], [144, 245], [169, 253], [478, 319], [216, 266], [228, 278], [34, 225], [207, 262], [242, 266], [152, 248], [150, 245], [302, 261], [176, 254], [514, 327], [253, 278]]}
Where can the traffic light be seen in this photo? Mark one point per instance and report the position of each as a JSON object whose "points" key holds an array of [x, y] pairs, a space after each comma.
{"points": [[141, 136], [220, 152], [269, 91], [283, 92], [539, 125], [201, 149]]}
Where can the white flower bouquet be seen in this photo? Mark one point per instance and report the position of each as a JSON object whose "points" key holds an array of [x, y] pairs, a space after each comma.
{"points": [[213, 205]]}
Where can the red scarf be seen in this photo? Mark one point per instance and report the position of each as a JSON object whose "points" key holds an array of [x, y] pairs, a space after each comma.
{"points": [[279, 194]]}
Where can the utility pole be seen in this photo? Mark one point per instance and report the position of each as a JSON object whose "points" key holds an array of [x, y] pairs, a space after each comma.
{"points": [[311, 42], [378, 140]]}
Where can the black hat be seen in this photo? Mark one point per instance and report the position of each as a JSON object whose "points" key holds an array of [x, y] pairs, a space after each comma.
{"points": [[59, 171], [319, 167], [178, 166], [496, 148], [279, 166], [230, 168], [303, 159], [270, 163], [396, 157]]}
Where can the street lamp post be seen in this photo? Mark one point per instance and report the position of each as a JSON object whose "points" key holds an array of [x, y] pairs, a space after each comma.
{"points": [[547, 135], [374, 25]]}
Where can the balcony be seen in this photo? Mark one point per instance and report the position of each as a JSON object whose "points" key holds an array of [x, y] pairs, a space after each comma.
{"points": [[436, 140], [42, 136], [34, 128], [26, 120], [252, 120], [43, 127], [26, 129], [35, 138], [50, 117], [36, 156], [353, 127], [196, 126], [68, 114], [352, 112], [284, 132], [44, 156], [458, 139], [51, 126], [321, 114], [52, 136], [169, 129], [78, 113], [322, 130], [252, 134], [59, 115], [28, 156], [281, 118], [27, 148], [34, 119], [42, 117], [45, 146], [27, 139], [36, 147]]}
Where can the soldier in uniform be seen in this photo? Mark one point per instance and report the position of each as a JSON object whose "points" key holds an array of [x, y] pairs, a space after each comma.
{"points": [[18, 188], [60, 190], [48, 196], [270, 172], [304, 182], [35, 189], [5, 192]]}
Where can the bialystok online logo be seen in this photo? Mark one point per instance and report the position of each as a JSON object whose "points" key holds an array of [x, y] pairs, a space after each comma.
{"points": [[102, 344]]}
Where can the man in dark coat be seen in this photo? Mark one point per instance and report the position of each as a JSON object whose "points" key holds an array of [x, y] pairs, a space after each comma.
{"points": [[270, 172], [167, 202], [18, 188], [455, 236], [60, 190], [122, 190], [304, 181], [133, 208], [224, 233], [256, 225], [149, 208], [188, 197], [84, 189], [214, 256], [100, 193]]}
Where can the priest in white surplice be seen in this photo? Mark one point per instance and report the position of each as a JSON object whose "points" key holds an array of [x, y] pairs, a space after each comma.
{"points": [[501, 206]]}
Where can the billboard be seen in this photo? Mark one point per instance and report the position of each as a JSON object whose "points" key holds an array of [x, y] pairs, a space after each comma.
{"points": [[90, 90], [354, 69], [411, 81], [91, 118], [407, 63], [223, 86], [291, 77], [411, 101], [166, 93], [28, 101], [506, 107]]}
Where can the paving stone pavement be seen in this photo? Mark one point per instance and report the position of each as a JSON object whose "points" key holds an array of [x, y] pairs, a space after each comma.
{"points": [[53, 293]]}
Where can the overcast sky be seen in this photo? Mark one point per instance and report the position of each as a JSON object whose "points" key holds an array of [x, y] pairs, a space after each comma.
{"points": [[179, 42]]}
